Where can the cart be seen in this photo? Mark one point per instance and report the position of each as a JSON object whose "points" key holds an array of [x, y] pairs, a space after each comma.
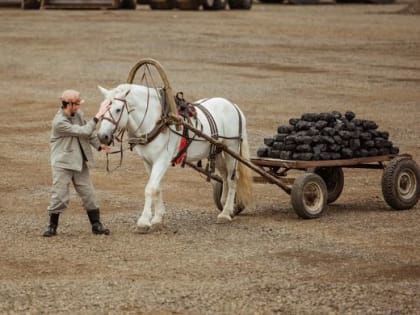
{"points": [[322, 181]]}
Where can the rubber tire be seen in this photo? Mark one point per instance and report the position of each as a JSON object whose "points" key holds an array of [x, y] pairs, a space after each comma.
{"points": [[31, 4], [162, 5], [128, 4], [217, 196], [192, 5], [299, 203], [334, 180], [399, 172], [240, 4], [303, 2], [349, 1], [380, 1], [217, 5]]}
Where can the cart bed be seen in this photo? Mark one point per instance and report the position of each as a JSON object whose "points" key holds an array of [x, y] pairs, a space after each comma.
{"points": [[364, 162]]}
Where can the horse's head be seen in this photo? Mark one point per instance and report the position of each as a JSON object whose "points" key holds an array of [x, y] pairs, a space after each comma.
{"points": [[116, 118]]}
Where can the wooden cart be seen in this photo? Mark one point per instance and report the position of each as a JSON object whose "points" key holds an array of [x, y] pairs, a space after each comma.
{"points": [[322, 182]]}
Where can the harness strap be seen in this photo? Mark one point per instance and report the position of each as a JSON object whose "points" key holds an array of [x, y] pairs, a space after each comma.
{"points": [[164, 102], [214, 150], [161, 125], [181, 156], [186, 111]]}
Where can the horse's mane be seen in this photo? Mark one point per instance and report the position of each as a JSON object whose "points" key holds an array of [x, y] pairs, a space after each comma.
{"points": [[120, 89]]}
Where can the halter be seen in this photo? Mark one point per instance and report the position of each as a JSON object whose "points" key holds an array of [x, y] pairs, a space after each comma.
{"points": [[143, 139], [116, 123]]}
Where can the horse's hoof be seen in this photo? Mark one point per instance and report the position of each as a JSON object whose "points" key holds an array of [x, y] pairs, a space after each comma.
{"points": [[222, 219], [142, 229]]}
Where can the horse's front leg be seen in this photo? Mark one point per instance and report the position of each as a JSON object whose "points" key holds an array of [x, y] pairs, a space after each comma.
{"points": [[153, 197]]}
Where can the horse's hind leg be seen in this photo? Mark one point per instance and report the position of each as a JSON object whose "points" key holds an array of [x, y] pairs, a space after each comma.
{"points": [[230, 185], [143, 223], [221, 167]]}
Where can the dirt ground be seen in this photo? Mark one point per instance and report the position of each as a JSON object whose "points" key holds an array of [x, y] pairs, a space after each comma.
{"points": [[276, 62]]}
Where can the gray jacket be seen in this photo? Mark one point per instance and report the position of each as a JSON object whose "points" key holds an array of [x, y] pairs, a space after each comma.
{"points": [[69, 135]]}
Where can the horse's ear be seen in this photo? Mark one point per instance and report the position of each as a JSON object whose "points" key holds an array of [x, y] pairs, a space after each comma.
{"points": [[103, 90]]}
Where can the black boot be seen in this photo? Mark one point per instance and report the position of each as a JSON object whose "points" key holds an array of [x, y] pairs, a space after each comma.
{"points": [[97, 227], [52, 227]]}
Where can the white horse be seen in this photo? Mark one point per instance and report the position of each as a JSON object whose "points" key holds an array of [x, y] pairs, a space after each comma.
{"points": [[138, 109]]}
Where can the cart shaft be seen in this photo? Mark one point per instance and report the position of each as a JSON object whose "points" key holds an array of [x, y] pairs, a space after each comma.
{"points": [[246, 162]]}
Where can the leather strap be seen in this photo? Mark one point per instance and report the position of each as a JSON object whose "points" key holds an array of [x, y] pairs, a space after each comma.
{"points": [[150, 136], [214, 150]]}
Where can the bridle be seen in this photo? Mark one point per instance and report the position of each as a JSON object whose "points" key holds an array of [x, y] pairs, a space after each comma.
{"points": [[111, 119], [116, 123]]}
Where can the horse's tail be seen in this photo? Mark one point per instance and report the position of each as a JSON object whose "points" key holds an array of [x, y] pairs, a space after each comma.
{"points": [[244, 194]]}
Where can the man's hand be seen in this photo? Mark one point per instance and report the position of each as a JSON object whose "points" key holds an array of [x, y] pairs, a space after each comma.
{"points": [[105, 148], [104, 107]]}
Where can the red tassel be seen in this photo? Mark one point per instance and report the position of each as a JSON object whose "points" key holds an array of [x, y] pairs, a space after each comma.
{"points": [[182, 145]]}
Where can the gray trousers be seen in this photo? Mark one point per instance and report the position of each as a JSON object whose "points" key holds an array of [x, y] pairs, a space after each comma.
{"points": [[82, 183]]}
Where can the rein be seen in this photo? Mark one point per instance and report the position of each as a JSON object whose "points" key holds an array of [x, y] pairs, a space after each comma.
{"points": [[120, 135], [119, 138]]}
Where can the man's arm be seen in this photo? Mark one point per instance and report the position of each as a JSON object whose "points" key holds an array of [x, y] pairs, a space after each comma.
{"points": [[65, 128]]}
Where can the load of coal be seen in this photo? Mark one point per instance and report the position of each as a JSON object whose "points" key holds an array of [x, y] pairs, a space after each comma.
{"points": [[327, 136]]}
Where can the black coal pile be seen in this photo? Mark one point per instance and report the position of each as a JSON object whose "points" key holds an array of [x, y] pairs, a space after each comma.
{"points": [[327, 136]]}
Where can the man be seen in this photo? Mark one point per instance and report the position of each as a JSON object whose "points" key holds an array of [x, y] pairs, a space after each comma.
{"points": [[71, 138]]}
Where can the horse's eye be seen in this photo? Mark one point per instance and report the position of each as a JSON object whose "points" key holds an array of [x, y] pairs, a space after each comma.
{"points": [[118, 110]]}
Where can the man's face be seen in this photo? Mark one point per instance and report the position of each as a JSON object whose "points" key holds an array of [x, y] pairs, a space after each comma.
{"points": [[71, 102], [74, 107]]}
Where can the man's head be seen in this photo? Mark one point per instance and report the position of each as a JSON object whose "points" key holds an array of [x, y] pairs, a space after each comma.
{"points": [[70, 101]]}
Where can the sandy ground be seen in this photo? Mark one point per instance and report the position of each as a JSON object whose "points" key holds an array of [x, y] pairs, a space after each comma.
{"points": [[276, 62]]}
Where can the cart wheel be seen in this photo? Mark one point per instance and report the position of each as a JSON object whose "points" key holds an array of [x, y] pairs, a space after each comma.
{"points": [[30, 4], [334, 180], [217, 194], [188, 4], [162, 5], [214, 4], [217, 197], [128, 4], [400, 183], [240, 4], [309, 196]]}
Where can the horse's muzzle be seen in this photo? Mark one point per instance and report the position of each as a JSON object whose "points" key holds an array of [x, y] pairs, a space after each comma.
{"points": [[105, 138]]}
